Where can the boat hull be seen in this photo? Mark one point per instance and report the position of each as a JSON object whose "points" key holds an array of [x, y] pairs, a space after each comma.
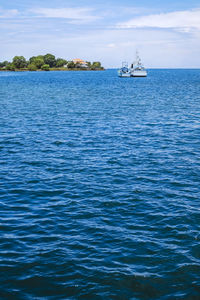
{"points": [[122, 74], [132, 73], [141, 73]]}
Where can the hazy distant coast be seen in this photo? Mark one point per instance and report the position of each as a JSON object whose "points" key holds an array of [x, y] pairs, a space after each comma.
{"points": [[49, 62]]}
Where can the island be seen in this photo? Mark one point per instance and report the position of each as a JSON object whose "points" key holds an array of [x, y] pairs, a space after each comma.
{"points": [[48, 62]]}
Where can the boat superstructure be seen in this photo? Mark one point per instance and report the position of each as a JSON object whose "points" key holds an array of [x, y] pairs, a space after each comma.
{"points": [[124, 71], [137, 69]]}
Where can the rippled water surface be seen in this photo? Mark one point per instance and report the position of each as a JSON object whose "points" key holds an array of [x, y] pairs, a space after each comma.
{"points": [[100, 185]]}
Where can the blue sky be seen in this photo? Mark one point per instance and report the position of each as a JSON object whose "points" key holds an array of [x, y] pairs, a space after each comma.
{"points": [[166, 33]]}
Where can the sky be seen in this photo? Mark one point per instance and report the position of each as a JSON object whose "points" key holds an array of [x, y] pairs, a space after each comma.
{"points": [[166, 33]]}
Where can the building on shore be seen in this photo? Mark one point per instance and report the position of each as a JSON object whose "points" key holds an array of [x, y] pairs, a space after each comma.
{"points": [[80, 63]]}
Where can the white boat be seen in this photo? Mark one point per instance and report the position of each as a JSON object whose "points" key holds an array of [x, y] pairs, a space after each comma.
{"points": [[137, 69], [124, 71]]}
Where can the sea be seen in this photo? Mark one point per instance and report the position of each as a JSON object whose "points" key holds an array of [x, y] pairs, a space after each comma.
{"points": [[100, 185]]}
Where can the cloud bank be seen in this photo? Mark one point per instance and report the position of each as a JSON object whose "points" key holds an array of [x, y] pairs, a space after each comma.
{"points": [[179, 20], [8, 13], [74, 15]]}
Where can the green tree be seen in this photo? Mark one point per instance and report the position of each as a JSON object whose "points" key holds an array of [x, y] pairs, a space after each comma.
{"points": [[89, 64], [60, 62], [50, 60], [32, 67], [10, 67], [45, 67], [31, 59], [71, 65], [40, 56], [96, 65], [38, 61], [19, 62], [4, 63]]}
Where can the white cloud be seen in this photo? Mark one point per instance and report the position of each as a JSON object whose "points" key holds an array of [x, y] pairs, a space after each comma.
{"points": [[179, 20], [8, 13], [74, 15], [111, 45]]}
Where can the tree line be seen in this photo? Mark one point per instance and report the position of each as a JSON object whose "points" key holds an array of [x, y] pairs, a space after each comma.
{"points": [[45, 62]]}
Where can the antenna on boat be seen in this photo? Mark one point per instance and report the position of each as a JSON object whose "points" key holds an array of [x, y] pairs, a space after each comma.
{"points": [[138, 59]]}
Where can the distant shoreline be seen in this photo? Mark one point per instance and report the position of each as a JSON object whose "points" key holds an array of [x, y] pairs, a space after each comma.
{"points": [[52, 70], [49, 62]]}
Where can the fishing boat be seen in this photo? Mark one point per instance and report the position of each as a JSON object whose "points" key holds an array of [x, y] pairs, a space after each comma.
{"points": [[124, 71], [137, 69]]}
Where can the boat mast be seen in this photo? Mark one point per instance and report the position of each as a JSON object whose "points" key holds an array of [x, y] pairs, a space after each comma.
{"points": [[138, 59]]}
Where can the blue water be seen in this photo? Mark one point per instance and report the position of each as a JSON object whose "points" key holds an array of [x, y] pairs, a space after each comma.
{"points": [[100, 185]]}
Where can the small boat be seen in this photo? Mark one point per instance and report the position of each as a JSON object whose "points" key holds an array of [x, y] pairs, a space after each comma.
{"points": [[137, 69], [124, 71]]}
